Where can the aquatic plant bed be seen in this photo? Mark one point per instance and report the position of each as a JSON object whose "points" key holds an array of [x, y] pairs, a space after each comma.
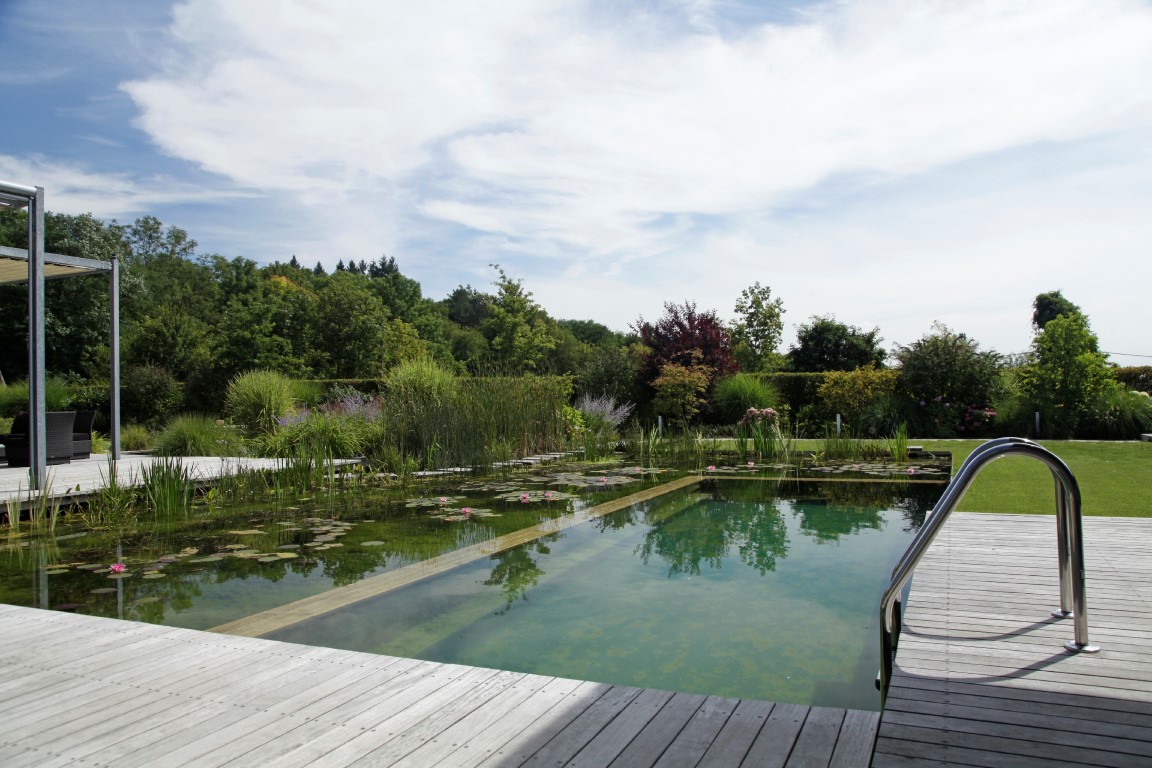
{"points": [[761, 590], [224, 563]]}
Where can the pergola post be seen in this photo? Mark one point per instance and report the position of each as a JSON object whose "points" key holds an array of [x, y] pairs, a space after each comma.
{"points": [[37, 429], [114, 347]]}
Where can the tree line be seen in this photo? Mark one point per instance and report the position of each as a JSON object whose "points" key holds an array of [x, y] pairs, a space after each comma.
{"points": [[191, 322]]}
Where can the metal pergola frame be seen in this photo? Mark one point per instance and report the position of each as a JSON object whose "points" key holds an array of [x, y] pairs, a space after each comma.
{"points": [[41, 265]]}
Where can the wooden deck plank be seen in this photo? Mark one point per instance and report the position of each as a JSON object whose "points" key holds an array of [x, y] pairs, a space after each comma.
{"points": [[981, 675], [737, 735], [777, 737], [817, 739], [651, 743], [698, 734], [615, 737]]}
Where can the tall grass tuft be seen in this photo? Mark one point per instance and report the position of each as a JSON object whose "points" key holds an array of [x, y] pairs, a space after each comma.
{"points": [[135, 437], [14, 396], [734, 395], [194, 435], [259, 399]]}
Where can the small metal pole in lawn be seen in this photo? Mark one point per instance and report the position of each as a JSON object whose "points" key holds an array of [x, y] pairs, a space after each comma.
{"points": [[837, 425]]}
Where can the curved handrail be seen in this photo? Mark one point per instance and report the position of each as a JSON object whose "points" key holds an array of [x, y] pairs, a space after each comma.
{"points": [[1069, 537]]}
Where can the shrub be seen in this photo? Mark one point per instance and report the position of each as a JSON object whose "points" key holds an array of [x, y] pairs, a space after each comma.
{"points": [[1137, 377], [1118, 414], [149, 395], [852, 393], [135, 437], [194, 435], [734, 395], [257, 399], [950, 380], [680, 391]]}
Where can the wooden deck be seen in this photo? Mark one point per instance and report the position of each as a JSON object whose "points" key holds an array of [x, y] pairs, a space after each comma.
{"points": [[981, 676], [79, 690], [79, 479]]}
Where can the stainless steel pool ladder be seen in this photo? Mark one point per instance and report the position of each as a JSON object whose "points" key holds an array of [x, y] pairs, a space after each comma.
{"points": [[1069, 538]]}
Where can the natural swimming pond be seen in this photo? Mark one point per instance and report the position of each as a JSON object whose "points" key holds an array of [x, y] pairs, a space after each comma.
{"points": [[706, 585], [742, 588]]}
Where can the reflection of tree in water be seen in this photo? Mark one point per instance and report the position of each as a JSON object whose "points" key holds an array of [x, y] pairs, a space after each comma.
{"points": [[705, 534], [827, 522], [516, 571], [828, 511]]}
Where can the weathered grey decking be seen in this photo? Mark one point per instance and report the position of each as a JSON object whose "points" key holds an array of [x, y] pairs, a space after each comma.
{"points": [[981, 676], [80, 690], [76, 481]]}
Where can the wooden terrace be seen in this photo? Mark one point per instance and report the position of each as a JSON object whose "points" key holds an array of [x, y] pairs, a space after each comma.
{"points": [[981, 679]]}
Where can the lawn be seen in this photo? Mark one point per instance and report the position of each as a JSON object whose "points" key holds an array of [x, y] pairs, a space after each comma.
{"points": [[1115, 478]]}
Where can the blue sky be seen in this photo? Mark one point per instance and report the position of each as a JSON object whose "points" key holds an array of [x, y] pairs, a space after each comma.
{"points": [[892, 163]]}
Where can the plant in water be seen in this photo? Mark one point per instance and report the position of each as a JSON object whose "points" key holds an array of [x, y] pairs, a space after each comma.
{"points": [[168, 488], [761, 428], [257, 399], [898, 444]]}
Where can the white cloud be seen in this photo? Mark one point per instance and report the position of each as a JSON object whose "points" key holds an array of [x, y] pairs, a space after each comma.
{"points": [[626, 147], [71, 188]]}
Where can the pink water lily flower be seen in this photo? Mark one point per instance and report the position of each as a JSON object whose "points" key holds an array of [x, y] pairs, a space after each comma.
{"points": [[443, 500], [711, 467], [751, 465], [117, 568], [466, 511]]}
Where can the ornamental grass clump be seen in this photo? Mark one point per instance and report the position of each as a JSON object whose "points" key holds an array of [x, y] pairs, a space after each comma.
{"points": [[257, 399], [194, 435]]}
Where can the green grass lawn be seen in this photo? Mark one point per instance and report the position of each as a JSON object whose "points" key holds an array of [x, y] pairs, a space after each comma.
{"points": [[1115, 477]]}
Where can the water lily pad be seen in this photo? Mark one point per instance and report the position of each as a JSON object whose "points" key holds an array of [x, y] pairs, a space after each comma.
{"points": [[208, 559], [154, 575], [288, 546], [286, 555], [56, 571], [91, 567], [250, 532], [236, 546], [103, 591], [272, 559], [123, 575], [371, 543]]}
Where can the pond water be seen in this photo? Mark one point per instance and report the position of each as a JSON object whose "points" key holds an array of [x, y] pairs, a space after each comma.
{"points": [[735, 588], [224, 564], [747, 586]]}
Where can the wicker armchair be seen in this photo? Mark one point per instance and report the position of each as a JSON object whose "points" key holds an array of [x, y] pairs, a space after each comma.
{"points": [[82, 434], [58, 439]]}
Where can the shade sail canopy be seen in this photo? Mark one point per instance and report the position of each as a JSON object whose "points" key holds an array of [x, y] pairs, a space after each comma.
{"points": [[14, 266]]}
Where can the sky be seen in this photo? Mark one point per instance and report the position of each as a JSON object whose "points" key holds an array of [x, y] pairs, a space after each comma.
{"points": [[891, 163]]}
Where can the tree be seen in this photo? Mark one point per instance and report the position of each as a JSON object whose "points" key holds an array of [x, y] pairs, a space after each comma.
{"points": [[757, 334], [824, 344], [687, 338], [1049, 306], [349, 328], [1067, 374], [517, 327]]}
